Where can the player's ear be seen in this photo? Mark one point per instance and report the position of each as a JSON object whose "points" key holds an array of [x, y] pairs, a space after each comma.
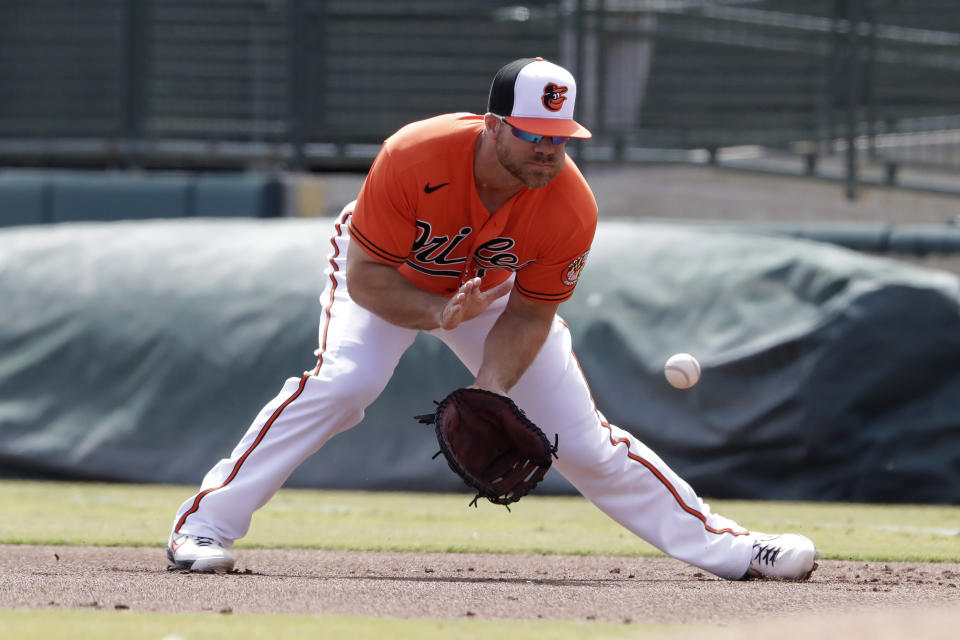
{"points": [[491, 123]]}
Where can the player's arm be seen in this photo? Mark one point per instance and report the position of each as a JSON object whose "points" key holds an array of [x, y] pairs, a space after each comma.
{"points": [[514, 342], [381, 289]]}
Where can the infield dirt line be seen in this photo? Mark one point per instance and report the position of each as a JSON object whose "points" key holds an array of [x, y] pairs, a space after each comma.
{"points": [[436, 585]]}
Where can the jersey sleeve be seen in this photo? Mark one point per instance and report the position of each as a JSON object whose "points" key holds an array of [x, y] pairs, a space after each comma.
{"points": [[553, 275], [554, 281], [384, 220]]}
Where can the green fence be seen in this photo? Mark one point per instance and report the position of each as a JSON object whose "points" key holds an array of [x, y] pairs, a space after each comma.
{"points": [[308, 84]]}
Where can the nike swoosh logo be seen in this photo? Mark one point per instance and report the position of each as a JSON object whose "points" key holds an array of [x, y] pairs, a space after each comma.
{"points": [[428, 189]]}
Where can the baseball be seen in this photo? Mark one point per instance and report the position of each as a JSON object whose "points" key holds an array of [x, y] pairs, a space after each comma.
{"points": [[682, 370]]}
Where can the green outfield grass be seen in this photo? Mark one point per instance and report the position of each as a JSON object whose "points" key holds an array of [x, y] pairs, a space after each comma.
{"points": [[50, 513], [141, 515]]}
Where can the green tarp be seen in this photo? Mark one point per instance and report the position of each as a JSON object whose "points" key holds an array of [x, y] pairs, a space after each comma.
{"points": [[140, 351]]}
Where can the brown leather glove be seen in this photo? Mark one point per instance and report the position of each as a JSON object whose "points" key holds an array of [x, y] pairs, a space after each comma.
{"points": [[490, 443]]}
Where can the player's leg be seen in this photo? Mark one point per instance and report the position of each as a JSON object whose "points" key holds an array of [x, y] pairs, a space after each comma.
{"points": [[358, 353], [609, 466]]}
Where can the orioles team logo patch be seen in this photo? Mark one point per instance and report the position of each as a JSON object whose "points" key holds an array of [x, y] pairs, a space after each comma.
{"points": [[572, 273], [553, 96]]}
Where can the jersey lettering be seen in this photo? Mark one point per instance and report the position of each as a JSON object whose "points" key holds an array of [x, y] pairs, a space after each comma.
{"points": [[494, 254], [432, 251]]}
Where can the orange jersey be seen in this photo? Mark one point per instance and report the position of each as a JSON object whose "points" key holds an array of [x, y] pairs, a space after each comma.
{"points": [[419, 210]]}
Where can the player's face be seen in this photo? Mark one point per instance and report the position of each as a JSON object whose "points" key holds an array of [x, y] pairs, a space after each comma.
{"points": [[534, 164]]}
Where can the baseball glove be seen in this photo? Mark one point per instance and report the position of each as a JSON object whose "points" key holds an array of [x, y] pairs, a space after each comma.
{"points": [[490, 443]]}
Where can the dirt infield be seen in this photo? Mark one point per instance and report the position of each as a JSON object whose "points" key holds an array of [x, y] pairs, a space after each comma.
{"points": [[444, 586]]}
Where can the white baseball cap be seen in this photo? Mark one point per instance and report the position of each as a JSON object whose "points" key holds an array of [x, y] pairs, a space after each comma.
{"points": [[537, 96]]}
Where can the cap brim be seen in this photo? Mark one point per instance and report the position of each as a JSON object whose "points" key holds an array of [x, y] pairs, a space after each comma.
{"points": [[560, 127]]}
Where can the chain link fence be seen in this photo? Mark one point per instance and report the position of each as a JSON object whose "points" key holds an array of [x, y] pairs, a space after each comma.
{"points": [[317, 84]]}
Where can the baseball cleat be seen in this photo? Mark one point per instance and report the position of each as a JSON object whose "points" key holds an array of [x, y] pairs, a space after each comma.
{"points": [[198, 553], [788, 556]]}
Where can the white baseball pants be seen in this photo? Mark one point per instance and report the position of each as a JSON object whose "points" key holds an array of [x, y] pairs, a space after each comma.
{"points": [[357, 356]]}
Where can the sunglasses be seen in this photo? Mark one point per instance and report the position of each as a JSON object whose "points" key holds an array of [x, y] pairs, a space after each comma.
{"points": [[531, 137]]}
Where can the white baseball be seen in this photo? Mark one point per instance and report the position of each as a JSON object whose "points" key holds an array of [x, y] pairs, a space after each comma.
{"points": [[682, 370]]}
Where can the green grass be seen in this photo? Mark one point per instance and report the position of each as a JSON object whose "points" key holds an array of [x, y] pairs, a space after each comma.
{"points": [[888, 533], [50, 513], [107, 625], [141, 515]]}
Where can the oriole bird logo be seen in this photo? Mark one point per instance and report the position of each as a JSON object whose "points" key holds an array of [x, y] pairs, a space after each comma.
{"points": [[553, 96], [572, 272]]}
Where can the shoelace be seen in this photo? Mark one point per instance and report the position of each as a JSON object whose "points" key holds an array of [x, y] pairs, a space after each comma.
{"points": [[766, 554], [203, 541]]}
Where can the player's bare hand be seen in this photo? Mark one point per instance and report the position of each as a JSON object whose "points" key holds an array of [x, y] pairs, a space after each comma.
{"points": [[469, 302]]}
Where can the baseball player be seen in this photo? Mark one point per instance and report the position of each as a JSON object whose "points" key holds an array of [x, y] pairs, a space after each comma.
{"points": [[473, 228]]}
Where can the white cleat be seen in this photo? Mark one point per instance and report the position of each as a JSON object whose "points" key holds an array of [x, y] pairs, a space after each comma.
{"points": [[198, 553], [788, 556]]}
